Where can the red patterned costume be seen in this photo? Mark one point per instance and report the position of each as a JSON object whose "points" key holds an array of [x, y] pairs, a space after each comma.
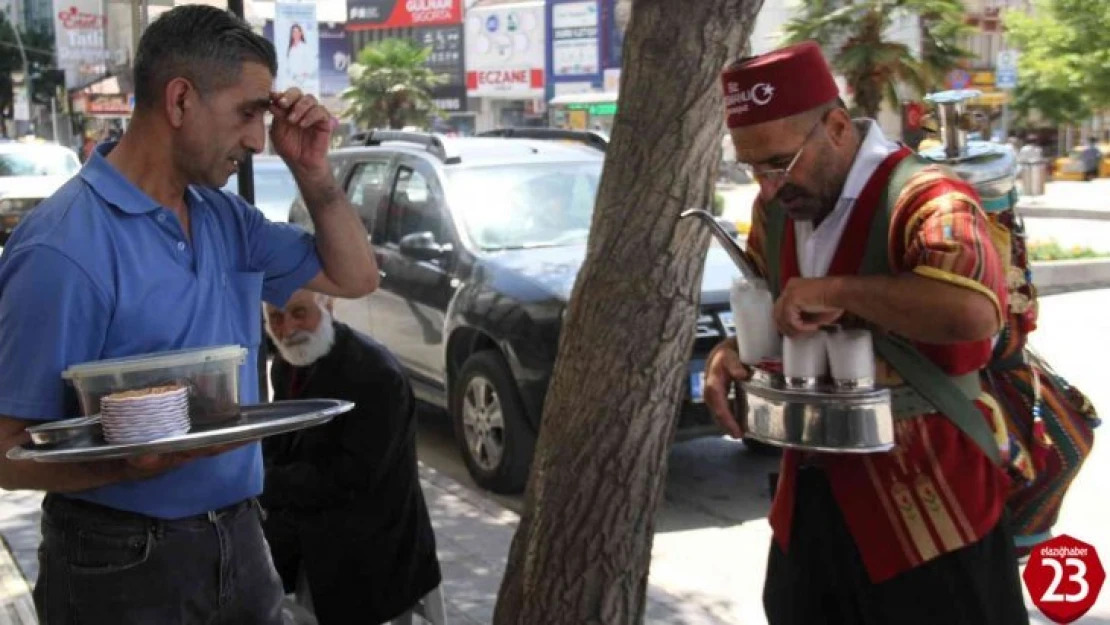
{"points": [[915, 535], [938, 492]]}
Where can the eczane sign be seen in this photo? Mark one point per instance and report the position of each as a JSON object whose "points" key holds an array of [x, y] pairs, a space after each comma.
{"points": [[505, 51], [521, 81]]}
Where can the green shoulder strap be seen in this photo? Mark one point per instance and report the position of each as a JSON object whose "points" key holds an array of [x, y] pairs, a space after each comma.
{"points": [[919, 372], [774, 227]]}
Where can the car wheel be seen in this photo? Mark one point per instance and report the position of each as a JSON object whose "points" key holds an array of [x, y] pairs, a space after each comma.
{"points": [[495, 438]]}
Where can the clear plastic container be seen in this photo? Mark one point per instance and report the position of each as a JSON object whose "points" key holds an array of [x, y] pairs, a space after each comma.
{"points": [[211, 374]]}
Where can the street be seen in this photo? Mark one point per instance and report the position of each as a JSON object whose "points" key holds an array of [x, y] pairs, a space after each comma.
{"points": [[710, 547]]}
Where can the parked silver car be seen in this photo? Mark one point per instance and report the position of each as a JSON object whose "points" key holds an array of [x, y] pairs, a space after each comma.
{"points": [[30, 173]]}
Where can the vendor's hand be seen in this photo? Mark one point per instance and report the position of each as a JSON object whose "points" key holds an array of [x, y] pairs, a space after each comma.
{"points": [[722, 369], [803, 306], [301, 130]]}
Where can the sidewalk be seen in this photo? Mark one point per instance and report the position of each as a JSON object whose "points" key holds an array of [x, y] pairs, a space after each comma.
{"points": [[19, 529], [473, 536], [16, 606], [1070, 200]]}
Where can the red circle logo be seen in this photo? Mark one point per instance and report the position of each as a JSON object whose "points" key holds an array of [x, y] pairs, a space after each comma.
{"points": [[1064, 577], [914, 112]]}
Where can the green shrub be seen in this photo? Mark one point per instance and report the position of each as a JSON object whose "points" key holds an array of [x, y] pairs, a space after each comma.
{"points": [[1052, 250]]}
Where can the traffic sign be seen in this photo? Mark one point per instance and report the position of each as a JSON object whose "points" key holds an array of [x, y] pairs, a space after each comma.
{"points": [[1064, 577], [1006, 69], [21, 106], [958, 79], [1006, 79]]}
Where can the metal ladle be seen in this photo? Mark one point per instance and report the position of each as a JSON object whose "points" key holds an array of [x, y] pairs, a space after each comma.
{"points": [[738, 255]]}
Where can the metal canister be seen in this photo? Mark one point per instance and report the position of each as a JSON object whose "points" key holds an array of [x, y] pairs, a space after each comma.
{"points": [[989, 167]]}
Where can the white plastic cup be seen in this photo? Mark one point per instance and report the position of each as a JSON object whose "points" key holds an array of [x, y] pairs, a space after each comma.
{"points": [[753, 310], [804, 356], [851, 356]]}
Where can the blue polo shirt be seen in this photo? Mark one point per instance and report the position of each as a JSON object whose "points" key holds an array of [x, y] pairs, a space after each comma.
{"points": [[100, 270]]}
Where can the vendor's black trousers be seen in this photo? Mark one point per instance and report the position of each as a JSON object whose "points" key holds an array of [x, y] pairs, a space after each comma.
{"points": [[822, 580]]}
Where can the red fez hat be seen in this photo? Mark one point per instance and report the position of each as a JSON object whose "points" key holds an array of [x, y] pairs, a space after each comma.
{"points": [[778, 84]]}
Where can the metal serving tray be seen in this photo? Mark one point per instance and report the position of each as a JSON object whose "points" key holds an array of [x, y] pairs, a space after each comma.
{"points": [[822, 419], [82, 440]]}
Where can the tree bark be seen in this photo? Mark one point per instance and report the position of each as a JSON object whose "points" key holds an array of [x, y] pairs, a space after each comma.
{"points": [[583, 548]]}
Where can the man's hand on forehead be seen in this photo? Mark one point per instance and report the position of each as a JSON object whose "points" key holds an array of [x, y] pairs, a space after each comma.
{"points": [[298, 108]]}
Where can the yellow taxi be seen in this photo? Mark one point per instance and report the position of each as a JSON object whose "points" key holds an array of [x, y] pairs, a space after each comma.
{"points": [[1070, 167]]}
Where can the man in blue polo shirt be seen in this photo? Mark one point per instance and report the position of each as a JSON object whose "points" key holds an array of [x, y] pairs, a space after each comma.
{"points": [[141, 253]]}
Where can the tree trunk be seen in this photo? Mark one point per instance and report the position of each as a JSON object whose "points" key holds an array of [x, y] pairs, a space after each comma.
{"points": [[867, 96], [583, 548], [396, 121]]}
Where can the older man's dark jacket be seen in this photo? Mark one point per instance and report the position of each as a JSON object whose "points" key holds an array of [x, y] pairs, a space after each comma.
{"points": [[343, 499]]}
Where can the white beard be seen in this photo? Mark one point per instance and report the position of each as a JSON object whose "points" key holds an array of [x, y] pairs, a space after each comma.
{"points": [[308, 347]]}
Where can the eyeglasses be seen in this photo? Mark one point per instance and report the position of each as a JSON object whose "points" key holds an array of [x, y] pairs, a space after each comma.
{"points": [[776, 177]]}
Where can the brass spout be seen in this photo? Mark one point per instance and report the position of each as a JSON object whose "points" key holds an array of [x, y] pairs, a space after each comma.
{"points": [[742, 260]]}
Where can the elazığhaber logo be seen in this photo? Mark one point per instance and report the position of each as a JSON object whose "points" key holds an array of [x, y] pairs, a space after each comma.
{"points": [[1064, 577]]}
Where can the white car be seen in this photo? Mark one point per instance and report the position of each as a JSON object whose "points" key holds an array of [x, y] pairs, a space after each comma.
{"points": [[30, 173], [274, 187]]}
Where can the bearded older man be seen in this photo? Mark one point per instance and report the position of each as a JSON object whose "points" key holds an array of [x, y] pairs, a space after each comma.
{"points": [[345, 509]]}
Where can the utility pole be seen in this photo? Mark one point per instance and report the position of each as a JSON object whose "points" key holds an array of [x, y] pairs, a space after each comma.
{"points": [[245, 179], [246, 168], [136, 26], [23, 57]]}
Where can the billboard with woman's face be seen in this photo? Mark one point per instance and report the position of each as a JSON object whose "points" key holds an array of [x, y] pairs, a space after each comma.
{"points": [[297, 41]]}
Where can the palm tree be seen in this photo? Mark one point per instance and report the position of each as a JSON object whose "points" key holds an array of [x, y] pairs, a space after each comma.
{"points": [[943, 27], [391, 85], [855, 33]]}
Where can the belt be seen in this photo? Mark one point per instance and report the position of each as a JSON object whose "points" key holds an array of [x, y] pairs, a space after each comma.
{"points": [[906, 403], [70, 507]]}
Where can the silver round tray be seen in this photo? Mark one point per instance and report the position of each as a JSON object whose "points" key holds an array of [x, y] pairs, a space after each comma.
{"points": [[822, 420], [84, 441]]}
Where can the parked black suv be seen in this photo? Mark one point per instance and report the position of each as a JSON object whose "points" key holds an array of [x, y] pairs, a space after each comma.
{"points": [[479, 241]]}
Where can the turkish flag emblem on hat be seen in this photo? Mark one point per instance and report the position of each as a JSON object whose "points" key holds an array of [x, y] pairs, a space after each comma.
{"points": [[778, 84]]}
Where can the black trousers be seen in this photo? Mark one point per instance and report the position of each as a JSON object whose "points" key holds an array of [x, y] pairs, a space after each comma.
{"points": [[822, 580]]}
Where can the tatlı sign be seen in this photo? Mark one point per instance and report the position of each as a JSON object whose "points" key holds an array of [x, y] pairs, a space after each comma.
{"points": [[79, 27], [505, 51]]}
